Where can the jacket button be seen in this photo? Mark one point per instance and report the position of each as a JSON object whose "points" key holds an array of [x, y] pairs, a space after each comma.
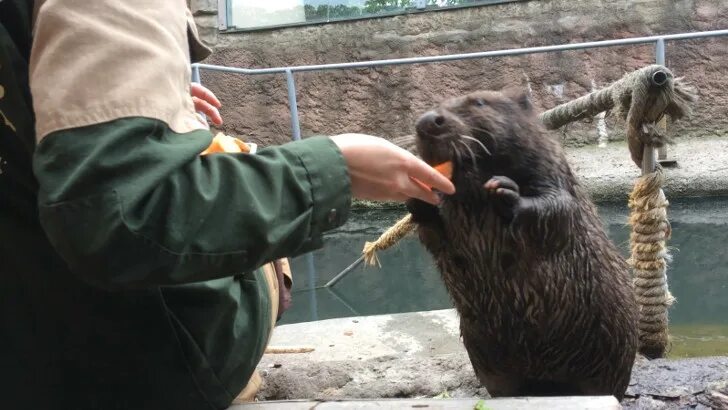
{"points": [[332, 216]]}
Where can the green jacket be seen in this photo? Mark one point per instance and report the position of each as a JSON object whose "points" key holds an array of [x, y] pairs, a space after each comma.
{"points": [[128, 262]]}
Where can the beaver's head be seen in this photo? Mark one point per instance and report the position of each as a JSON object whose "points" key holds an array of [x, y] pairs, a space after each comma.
{"points": [[484, 134]]}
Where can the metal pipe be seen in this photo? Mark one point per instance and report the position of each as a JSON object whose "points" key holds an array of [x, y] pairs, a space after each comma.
{"points": [[659, 78], [196, 74], [196, 79], [313, 299], [660, 51], [293, 105], [468, 56], [344, 272], [649, 160], [660, 59], [649, 155]]}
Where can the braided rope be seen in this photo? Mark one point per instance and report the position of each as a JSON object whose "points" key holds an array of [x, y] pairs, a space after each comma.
{"points": [[650, 231], [391, 236]]}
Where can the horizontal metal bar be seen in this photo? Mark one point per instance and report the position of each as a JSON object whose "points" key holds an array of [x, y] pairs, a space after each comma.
{"points": [[468, 56]]}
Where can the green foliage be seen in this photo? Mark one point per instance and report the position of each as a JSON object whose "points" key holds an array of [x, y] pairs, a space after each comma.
{"points": [[379, 6], [481, 406], [325, 12]]}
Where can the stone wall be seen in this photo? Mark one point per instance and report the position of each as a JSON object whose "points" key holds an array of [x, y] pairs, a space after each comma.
{"points": [[385, 101]]}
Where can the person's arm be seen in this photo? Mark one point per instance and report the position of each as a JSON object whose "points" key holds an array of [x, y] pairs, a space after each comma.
{"points": [[126, 198], [131, 203]]}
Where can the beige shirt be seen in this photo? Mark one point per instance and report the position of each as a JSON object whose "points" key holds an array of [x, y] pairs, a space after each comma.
{"points": [[143, 69]]}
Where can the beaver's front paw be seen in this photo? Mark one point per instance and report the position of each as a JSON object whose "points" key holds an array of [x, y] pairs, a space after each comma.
{"points": [[505, 195], [422, 212]]}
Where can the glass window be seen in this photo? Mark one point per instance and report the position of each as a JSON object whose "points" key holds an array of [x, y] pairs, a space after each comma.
{"points": [[253, 14]]}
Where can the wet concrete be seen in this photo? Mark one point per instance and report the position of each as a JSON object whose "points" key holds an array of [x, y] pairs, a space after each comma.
{"points": [[420, 355]]}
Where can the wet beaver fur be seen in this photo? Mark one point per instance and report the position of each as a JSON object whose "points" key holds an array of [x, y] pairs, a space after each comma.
{"points": [[545, 300]]}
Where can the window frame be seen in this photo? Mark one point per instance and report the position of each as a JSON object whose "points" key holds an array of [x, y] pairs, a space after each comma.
{"points": [[225, 10]]}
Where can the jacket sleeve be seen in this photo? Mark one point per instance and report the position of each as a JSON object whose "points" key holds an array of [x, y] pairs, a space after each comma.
{"points": [[130, 203], [125, 196]]}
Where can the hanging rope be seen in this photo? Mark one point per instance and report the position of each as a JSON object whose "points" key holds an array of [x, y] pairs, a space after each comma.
{"points": [[650, 231], [642, 98]]}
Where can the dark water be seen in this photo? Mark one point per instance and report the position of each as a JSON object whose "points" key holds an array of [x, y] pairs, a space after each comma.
{"points": [[408, 280]]}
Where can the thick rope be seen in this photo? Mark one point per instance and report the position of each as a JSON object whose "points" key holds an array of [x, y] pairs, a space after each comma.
{"points": [[650, 230], [581, 108], [639, 99], [391, 236]]}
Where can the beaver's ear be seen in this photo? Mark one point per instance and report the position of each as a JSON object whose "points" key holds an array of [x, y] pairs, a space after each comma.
{"points": [[520, 97]]}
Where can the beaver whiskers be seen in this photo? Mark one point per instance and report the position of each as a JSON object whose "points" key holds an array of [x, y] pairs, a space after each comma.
{"points": [[477, 142], [494, 141], [454, 144], [472, 154]]}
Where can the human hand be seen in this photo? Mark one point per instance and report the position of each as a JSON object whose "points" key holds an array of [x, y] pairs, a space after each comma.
{"points": [[380, 171], [206, 102]]}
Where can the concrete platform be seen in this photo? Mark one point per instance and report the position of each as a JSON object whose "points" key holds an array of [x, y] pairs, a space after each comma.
{"points": [[561, 403], [420, 356], [608, 174], [419, 334]]}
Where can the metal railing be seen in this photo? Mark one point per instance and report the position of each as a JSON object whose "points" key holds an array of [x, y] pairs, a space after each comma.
{"points": [[658, 41]]}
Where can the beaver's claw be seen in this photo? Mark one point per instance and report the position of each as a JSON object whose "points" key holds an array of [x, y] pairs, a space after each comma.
{"points": [[505, 194]]}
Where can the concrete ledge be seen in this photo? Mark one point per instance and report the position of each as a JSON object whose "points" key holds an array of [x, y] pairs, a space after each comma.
{"points": [[562, 403], [420, 356], [608, 174], [418, 334]]}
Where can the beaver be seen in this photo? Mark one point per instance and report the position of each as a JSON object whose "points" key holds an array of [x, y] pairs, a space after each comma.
{"points": [[545, 299]]}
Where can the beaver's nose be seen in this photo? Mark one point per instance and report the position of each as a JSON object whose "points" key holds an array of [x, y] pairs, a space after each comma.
{"points": [[431, 124]]}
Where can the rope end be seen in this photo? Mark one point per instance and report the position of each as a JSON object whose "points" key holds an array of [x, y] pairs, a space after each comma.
{"points": [[370, 254]]}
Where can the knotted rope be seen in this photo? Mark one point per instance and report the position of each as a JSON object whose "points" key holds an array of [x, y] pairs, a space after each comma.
{"points": [[641, 98], [650, 231]]}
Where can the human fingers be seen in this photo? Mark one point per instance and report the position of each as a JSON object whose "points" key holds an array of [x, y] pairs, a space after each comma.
{"points": [[201, 92], [206, 108], [419, 170], [412, 188]]}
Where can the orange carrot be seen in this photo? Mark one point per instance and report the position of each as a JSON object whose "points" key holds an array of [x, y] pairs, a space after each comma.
{"points": [[225, 143], [445, 169]]}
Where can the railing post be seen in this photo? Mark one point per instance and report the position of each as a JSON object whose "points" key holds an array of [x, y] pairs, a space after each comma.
{"points": [[196, 79], [196, 74], [662, 125], [296, 128], [660, 51], [293, 105]]}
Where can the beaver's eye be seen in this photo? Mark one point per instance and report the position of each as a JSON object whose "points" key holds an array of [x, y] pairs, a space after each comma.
{"points": [[479, 102]]}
